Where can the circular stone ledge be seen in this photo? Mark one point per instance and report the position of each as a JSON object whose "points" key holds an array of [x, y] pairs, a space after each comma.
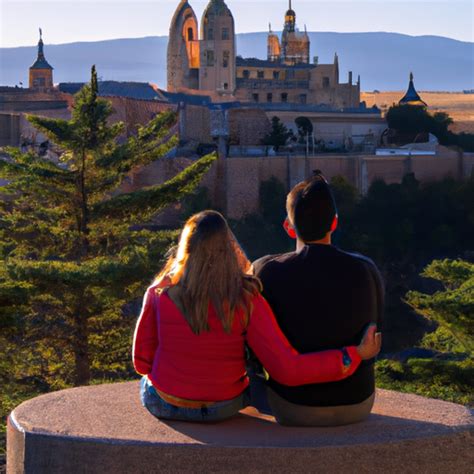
{"points": [[104, 429]]}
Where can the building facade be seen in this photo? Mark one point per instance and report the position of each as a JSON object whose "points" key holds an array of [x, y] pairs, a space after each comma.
{"points": [[210, 64]]}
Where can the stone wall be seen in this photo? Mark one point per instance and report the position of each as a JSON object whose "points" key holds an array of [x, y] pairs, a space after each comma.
{"points": [[244, 175], [248, 127], [9, 129], [15, 99], [134, 112], [195, 123]]}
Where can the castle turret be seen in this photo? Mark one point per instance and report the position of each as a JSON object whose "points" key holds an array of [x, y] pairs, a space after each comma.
{"points": [[183, 49], [217, 45], [411, 97], [41, 73], [295, 45]]}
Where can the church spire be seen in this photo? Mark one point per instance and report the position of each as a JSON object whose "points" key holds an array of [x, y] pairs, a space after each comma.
{"points": [[41, 73], [40, 45], [290, 19], [412, 97], [41, 62]]}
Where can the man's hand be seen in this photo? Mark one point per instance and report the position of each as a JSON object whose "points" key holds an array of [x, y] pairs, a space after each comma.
{"points": [[370, 344]]}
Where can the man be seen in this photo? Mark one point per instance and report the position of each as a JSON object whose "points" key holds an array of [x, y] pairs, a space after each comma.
{"points": [[322, 298]]}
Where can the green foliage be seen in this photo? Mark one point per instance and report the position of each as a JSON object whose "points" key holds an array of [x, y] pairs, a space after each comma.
{"points": [[447, 380], [409, 119], [262, 233], [195, 202], [305, 128], [453, 308], [441, 340], [278, 136], [407, 222], [74, 251]]}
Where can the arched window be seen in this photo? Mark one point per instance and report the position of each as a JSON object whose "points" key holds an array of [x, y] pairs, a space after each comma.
{"points": [[190, 34]]}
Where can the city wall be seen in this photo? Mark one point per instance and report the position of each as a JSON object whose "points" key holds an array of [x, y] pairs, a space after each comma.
{"points": [[243, 175]]}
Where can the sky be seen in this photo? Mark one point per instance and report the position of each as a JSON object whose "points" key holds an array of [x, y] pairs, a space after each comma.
{"points": [[65, 21]]}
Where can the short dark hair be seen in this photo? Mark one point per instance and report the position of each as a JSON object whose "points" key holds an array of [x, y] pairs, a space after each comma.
{"points": [[311, 208]]}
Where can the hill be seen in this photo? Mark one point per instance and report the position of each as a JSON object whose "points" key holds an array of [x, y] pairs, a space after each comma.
{"points": [[383, 60]]}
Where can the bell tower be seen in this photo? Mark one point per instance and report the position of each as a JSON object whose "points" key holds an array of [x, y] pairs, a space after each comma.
{"points": [[41, 73], [295, 46], [217, 48]]}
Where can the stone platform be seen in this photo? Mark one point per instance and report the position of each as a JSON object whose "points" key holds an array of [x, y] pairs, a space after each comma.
{"points": [[104, 429]]}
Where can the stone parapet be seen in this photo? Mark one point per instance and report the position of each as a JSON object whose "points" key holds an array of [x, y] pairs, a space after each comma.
{"points": [[104, 429]]}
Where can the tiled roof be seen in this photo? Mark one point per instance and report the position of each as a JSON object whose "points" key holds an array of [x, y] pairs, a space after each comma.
{"points": [[41, 63], [192, 99], [133, 90]]}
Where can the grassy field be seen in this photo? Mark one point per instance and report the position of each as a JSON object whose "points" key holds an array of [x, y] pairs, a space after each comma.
{"points": [[459, 106]]}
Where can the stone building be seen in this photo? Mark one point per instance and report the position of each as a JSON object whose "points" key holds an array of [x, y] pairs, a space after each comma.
{"points": [[210, 65]]}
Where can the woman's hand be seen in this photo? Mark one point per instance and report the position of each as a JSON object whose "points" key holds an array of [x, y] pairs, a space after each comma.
{"points": [[370, 344]]}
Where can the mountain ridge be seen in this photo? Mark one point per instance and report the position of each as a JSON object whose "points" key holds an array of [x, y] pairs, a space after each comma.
{"points": [[383, 59]]}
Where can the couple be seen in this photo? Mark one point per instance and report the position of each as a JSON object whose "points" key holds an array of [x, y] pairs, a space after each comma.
{"points": [[305, 316]]}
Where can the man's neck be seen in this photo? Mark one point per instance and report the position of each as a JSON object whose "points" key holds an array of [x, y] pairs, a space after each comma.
{"points": [[326, 240]]}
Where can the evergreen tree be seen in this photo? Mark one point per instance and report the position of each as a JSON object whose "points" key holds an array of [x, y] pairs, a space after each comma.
{"points": [[453, 308], [279, 134], [408, 119], [74, 250]]}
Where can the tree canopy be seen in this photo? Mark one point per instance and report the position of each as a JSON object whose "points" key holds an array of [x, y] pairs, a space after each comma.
{"points": [[414, 120]]}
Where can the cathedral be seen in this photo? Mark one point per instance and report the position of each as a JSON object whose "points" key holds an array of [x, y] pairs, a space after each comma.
{"points": [[204, 59]]}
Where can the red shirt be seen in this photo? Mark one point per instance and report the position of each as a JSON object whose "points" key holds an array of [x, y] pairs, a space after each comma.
{"points": [[211, 366]]}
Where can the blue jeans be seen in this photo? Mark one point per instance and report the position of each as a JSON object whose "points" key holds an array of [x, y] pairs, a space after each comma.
{"points": [[218, 411]]}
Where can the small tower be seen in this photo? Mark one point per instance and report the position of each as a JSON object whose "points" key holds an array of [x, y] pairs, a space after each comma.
{"points": [[217, 48], [183, 49], [411, 97], [295, 46], [41, 73]]}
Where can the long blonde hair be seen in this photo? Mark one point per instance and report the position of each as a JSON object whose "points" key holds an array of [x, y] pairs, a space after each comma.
{"points": [[209, 267]]}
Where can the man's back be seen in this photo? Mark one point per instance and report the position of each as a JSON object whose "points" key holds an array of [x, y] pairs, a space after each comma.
{"points": [[323, 298]]}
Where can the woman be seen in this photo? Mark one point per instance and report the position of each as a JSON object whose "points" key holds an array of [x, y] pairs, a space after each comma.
{"points": [[189, 342]]}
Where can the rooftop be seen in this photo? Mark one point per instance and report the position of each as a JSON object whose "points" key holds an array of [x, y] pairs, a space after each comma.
{"points": [[255, 62], [132, 90]]}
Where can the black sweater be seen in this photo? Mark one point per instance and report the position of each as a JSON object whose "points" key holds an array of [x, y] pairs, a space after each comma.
{"points": [[323, 298]]}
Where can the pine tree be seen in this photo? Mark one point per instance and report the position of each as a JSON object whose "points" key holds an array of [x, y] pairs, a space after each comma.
{"points": [[74, 251], [453, 308], [279, 134]]}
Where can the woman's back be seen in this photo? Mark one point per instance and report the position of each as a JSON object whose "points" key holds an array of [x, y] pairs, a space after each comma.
{"points": [[209, 366]]}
